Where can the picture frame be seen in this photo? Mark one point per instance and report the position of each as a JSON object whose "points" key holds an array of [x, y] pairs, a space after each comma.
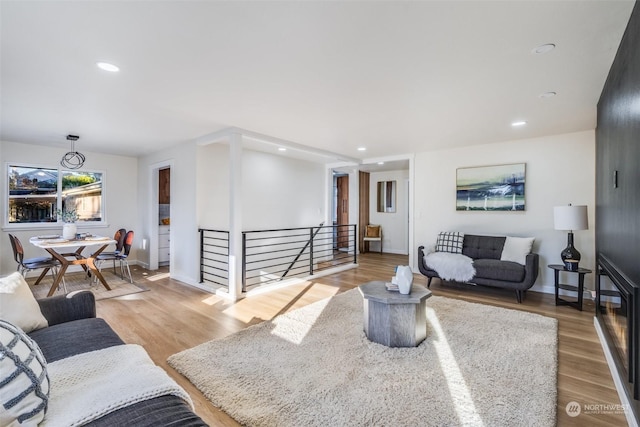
{"points": [[386, 193], [491, 188]]}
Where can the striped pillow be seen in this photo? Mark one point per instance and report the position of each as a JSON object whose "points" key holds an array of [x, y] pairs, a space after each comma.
{"points": [[24, 383]]}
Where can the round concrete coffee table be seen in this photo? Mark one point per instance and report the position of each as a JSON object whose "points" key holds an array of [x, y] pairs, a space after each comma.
{"points": [[394, 319]]}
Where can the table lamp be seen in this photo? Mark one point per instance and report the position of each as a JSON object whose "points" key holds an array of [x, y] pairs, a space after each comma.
{"points": [[570, 218]]}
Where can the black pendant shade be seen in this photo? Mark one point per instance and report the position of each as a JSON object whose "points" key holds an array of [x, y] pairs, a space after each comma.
{"points": [[73, 159]]}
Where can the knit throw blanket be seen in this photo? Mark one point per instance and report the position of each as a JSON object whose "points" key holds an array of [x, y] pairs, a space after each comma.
{"points": [[451, 266], [88, 386]]}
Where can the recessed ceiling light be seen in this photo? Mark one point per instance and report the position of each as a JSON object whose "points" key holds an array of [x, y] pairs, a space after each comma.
{"points": [[108, 67], [282, 149], [362, 149], [543, 48], [547, 94], [520, 123], [381, 163]]}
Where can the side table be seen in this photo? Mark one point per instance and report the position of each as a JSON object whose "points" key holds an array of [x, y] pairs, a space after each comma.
{"points": [[579, 289], [394, 319]]}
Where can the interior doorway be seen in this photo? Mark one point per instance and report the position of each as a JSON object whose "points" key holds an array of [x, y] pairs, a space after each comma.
{"points": [[164, 216], [154, 222], [342, 211]]}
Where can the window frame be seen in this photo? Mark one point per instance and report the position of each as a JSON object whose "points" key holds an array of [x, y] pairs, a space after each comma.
{"points": [[59, 222]]}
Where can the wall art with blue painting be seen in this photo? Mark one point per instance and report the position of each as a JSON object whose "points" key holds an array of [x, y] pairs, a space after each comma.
{"points": [[491, 188]]}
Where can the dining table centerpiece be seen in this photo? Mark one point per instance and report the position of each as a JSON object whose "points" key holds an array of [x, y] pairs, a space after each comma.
{"points": [[69, 217]]}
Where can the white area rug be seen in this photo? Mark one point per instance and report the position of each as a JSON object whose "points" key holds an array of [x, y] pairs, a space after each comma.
{"points": [[479, 366]]}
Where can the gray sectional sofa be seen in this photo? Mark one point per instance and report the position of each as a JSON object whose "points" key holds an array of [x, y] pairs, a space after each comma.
{"points": [[486, 251], [74, 329]]}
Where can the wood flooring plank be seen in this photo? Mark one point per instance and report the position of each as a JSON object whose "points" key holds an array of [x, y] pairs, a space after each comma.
{"points": [[172, 317]]}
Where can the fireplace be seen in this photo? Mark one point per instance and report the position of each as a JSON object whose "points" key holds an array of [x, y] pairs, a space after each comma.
{"points": [[616, 308]]}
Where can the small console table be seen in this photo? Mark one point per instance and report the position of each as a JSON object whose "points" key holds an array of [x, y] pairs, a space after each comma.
{"points": [[579, 289], [394, 319]]}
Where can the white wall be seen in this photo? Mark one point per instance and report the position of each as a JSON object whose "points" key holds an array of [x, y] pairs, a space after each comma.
{"points": [[278, 192], [281, 192], [213, 186], [120, 194], [394, 224], [560, 169]]}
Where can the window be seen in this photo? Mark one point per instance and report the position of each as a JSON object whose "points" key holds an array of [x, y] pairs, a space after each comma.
{"points": [[82, 191], [35, 193]]}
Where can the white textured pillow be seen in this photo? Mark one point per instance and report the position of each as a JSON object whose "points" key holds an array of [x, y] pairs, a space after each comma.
{"points": [[24, 383], [18, 305], [516, 249]]}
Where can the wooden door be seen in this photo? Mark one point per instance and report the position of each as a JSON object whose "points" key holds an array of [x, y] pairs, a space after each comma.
{"points": [[164, 186], [364, 180], [342, 207]]}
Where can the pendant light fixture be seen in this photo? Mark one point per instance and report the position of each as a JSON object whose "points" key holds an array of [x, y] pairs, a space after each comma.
{"points": [[72, 159]]}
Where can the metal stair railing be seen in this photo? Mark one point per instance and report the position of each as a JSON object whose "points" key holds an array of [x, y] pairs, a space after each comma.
{"points": [[270, 256], [214, 257]]}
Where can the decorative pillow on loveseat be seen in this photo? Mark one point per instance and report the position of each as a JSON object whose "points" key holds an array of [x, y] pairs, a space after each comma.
{"points": [[24, 383], [450, 242], [516, 249], [18, 305]]}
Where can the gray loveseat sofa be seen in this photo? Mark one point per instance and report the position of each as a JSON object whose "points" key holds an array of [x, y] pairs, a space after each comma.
{"points": [[74, 329], [486, 251]]}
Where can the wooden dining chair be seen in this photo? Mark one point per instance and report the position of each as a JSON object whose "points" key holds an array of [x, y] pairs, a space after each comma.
{"points": [[28, 264]]}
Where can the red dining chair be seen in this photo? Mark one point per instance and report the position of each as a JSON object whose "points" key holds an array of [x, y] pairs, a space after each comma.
{"points": [[122, 257], [119, 237]]}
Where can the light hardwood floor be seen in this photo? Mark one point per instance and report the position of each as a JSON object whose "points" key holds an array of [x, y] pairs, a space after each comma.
{"points": [[172, 317]]}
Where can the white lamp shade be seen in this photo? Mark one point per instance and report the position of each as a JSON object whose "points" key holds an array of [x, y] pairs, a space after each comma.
{"points": [[570, 218]]}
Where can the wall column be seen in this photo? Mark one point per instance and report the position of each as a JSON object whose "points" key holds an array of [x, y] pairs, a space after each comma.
{"points": [[235, 216]]}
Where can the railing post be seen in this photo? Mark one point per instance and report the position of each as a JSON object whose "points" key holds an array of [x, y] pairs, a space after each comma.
{"points": [[311, 235], [244, 262], [201, 255], [355, 234]]}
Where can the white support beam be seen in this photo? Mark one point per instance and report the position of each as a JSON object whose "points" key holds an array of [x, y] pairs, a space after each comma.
{"points": [[224, 135], [235, 216]]}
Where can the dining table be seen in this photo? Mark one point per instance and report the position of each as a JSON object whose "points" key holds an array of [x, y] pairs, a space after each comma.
{"points": [[70, 252]]}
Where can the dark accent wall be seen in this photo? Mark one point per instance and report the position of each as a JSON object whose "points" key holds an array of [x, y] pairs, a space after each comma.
{"points": [[618, 152]]}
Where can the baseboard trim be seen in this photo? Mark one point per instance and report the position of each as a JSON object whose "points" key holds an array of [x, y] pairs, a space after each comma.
{"points": [[144, 265], [393, 251]]}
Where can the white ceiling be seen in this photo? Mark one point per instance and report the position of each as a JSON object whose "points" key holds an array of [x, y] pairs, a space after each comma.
{"points": [[395, 77]]}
